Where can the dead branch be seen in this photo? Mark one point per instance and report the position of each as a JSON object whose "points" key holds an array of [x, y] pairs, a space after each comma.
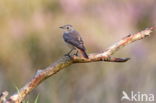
{"points": [[66, 61]]}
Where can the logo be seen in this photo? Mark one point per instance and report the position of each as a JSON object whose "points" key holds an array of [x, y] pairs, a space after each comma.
{"points": [[137, 96]]}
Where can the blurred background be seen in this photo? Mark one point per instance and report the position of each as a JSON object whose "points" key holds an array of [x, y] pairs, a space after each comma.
{"points": [[30, 40]]}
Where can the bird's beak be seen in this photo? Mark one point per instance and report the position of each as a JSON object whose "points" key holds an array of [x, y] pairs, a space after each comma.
{"points": [[61, 27]]}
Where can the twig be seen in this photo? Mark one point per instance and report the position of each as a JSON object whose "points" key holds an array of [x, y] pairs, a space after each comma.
{"points": [[65, 61]]}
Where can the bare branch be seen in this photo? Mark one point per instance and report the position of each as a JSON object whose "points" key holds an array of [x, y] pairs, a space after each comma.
{"points": [[65, 61]]}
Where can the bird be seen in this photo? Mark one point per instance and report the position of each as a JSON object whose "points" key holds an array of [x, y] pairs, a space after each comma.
{"points": [[74, 40]]}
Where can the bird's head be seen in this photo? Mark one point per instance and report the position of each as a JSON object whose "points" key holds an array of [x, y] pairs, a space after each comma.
{"points": [[67, 27]]}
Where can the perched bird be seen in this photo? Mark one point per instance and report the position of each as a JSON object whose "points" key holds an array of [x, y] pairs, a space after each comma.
{"points": [[73, 38]]}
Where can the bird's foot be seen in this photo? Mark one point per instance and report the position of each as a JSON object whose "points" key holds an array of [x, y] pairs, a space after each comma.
{"points": [[76, 54], [68, 55]]}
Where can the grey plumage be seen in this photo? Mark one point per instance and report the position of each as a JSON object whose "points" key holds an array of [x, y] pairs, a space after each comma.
{"points": [[72, 37]]}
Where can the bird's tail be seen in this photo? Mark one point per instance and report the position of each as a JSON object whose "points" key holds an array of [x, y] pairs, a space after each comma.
{"points": [[83, 52]]}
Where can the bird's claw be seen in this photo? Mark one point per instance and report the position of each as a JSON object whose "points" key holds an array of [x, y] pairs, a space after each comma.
{"points": [[76, 54], [68, 55]]}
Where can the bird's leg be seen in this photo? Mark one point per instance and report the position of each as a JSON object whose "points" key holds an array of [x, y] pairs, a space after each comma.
{"points": [[68, 54], [76, 54]]}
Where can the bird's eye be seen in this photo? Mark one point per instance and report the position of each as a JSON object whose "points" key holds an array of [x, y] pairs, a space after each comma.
{"points": [[67, 27]]}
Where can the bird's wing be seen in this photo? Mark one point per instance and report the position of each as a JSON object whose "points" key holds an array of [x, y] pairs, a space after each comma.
{"points": [[74, 40]]}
